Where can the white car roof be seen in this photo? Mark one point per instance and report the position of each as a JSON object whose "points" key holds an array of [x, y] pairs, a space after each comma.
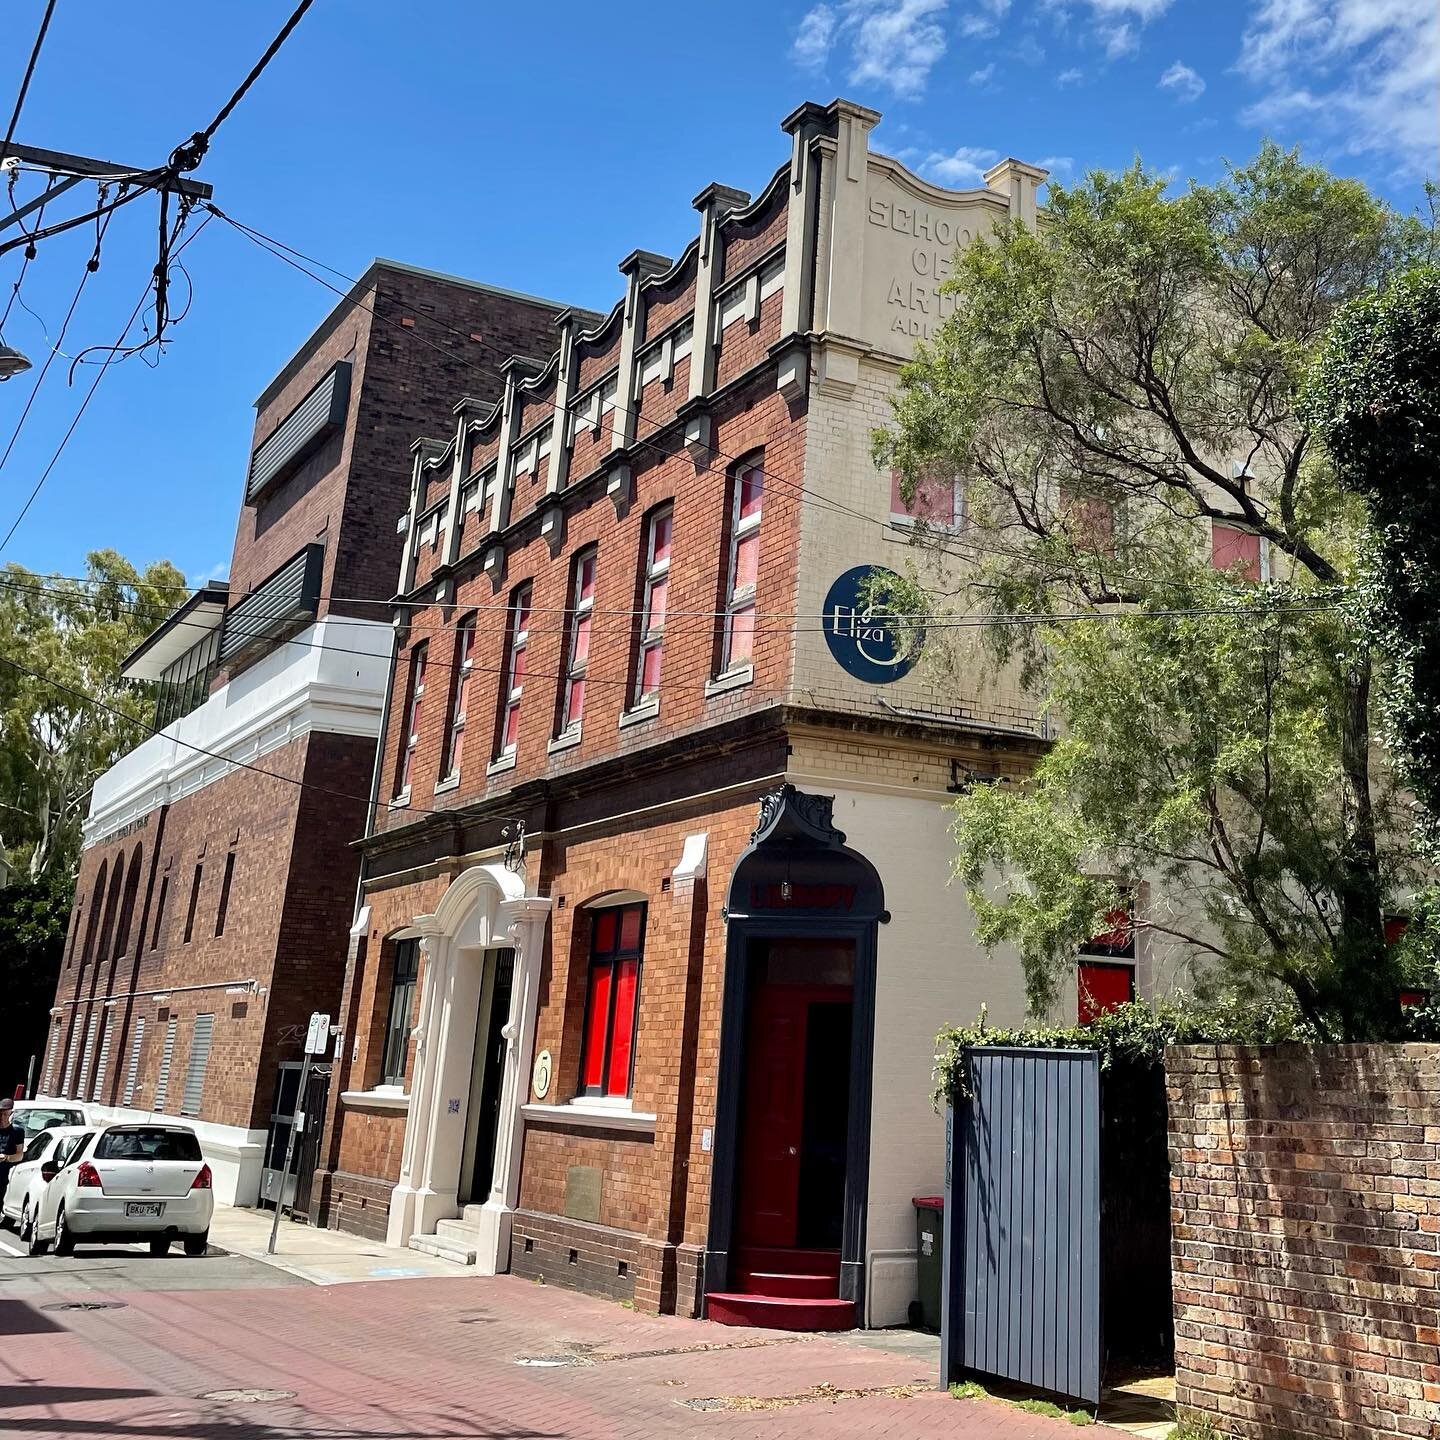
{"points": [[65, 1131], [49, 1104]]}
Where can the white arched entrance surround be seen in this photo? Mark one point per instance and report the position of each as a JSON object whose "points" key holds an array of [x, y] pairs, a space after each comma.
{"points": [[485, 909]]}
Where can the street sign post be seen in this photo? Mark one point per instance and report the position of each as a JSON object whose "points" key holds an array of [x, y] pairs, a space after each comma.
{"points": [[317, 1041]]}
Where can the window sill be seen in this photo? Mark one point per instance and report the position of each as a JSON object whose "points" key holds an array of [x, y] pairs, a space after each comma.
{"points": [[400, 801], [500, 766], [735, 679], [592, 1115], [382, 1097], [646, 710], [568, 741], [453, 783]]}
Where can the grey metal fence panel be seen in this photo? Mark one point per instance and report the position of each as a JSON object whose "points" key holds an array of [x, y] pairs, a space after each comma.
{"points": [[1022, 1226]]}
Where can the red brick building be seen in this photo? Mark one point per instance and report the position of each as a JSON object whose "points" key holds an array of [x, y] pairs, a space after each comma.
{"points": [[624, 1007], [213, 901]]}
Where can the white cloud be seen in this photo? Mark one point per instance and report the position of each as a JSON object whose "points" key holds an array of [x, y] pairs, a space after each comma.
{"points": [[980, 76], [1059, 166], [889, 43], [1118, 40], [1029, 51], [1186, 84], [218, 571], [965, 166], [1363, 72], [1069, 77], [978, 27], [1115, 24]]}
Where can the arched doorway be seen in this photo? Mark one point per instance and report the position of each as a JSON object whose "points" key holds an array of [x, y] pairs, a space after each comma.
{"points": [[790, 1178]]}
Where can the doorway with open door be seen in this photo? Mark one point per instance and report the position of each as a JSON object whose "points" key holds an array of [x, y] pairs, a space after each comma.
{"points": [[477, 1162]]}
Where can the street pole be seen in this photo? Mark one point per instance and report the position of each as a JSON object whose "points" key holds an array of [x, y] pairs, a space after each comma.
{"points": [[316, 1041]]}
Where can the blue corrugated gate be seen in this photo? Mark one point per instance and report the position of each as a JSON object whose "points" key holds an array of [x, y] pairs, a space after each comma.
{"points": [[1020, 1292]]}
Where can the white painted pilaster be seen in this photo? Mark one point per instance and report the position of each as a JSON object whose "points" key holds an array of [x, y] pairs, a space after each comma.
{"points": [[636, 267], [714, 202]]}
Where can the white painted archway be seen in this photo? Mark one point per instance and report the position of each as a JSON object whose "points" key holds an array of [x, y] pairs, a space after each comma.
{"points": [[485, 906]]}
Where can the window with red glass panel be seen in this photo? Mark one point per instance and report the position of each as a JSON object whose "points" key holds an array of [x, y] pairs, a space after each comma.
{"points": [[655, 599], [938, 500], [517, 642], [459, 697], [582, 610], [747, 498], [612, 992], [410, 732], [1236, 550], [1107, 981]]}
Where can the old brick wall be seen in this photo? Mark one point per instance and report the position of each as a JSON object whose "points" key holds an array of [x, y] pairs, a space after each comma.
{"points": [[1306, 1189]]}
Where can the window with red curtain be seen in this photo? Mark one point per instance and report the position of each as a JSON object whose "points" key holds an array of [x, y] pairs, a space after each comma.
{"points": [[612, 992], [937, 501], [1235, 550], [655, 601], [1103, 985], [459, 697], [746, 503], [582, 610], [410, 731], [518, 641]]}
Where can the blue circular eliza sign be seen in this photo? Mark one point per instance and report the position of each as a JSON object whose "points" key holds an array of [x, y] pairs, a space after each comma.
{"points": [[863, 642]]}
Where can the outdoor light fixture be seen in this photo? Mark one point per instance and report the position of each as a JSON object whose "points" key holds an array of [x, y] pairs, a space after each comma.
{"points": [[12, 362]]}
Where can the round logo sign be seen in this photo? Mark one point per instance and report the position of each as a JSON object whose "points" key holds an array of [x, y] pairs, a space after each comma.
{"points": [[863, 642], [540, 1076]]}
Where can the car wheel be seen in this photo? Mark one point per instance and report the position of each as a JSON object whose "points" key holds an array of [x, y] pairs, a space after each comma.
{"points": [[197, 1244], [5, 1221], [30, 1232], [160, 1245], [64, 1239]]}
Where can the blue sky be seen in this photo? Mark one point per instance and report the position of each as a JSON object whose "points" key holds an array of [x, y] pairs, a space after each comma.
{"points": [[533, 146]]}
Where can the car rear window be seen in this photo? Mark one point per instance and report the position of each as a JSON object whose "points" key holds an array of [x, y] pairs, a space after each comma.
{"points": [[147, 1142], [32, 1122]]}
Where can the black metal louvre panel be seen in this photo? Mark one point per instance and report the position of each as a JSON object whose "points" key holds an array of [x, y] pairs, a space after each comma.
{"points": [[313, 420], [292, 593]]}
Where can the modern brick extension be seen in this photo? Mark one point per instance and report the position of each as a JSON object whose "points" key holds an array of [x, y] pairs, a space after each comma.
{"points": [[1306, 1186]]}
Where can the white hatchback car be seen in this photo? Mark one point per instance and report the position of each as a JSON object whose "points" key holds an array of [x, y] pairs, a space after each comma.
{"points": [[29, 1176], [33, 1116], [126, 1185]]}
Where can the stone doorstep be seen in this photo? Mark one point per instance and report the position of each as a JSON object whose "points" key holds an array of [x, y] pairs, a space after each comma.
{"points": [[453, 1240]]}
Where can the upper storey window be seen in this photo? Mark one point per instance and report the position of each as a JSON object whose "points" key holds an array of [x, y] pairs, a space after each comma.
{"points": [[938, 501], [518, 641], [746, 502], [459, 697], [577, 662], [185, 683], [655, 600], [410, 733], [1239, 551]]}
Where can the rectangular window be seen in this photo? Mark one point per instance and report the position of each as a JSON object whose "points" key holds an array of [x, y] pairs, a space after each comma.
{"points": [[1239, 551], [160, 911], [197, 1064], [617, 938], [167, 1054], [939, 501], [397, 1022], [655, 600], [102, 1061], [1117, 939], [410, 731], [1103, 985], [517, 642], [194, 901], [745, 506], [225, 883], [459, 697], [577, 661], [132, 1070]]}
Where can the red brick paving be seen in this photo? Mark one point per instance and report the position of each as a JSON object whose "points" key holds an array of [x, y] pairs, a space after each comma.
{"points": [[437, 1358]]}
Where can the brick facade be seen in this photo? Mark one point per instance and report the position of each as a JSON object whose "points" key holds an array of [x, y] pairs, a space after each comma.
{"points": [[1306, 1187]]}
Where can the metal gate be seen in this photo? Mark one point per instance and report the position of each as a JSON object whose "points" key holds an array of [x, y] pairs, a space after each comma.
{"points": [[282, 1118], [1021, 1286]]}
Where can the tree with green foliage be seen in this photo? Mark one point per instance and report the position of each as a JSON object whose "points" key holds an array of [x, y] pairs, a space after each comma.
{"points": [[53, 745], [1108, 387], [34, 915]]}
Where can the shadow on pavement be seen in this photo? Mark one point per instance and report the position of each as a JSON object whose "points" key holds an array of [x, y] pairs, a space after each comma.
{"points": [[20, 1317], [19, 1396]]}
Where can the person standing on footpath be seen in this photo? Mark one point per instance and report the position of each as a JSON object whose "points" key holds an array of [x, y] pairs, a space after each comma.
{"points": [[12, 1142]]}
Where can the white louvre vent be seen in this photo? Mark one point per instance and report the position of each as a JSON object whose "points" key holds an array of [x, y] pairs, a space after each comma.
{"points": [[162, 1085], [196, 1065], [103, 1063], [132, 1070], [87, 1056]]}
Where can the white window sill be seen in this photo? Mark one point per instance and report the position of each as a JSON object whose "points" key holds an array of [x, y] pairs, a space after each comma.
{"points": [[400, 801], [382, 1097], [500, 766], [646, 710], [568, 741], [735, 679], [592, 1114], [451, 784]]}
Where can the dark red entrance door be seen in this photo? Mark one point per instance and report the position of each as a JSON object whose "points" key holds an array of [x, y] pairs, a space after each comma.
{"points": [[774, 1130]]}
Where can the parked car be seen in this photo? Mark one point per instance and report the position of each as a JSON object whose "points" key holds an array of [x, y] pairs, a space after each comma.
{"points": [[126, 1185], [33, 1116], [43, 1157]]}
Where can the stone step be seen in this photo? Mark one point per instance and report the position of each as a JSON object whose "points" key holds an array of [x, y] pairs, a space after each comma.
{"points": [[472, 1213], [462, 1232], [461, 1252], [779, 1312]]}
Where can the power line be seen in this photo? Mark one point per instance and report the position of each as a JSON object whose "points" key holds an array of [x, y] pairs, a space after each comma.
{"points": [[25, 83]]}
